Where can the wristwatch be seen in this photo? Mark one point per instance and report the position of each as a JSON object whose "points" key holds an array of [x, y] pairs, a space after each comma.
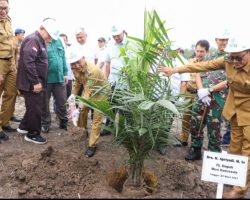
{"points": [[210, 89]]}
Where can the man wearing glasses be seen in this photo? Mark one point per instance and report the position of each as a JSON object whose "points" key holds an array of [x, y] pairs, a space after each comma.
{"points": [[7, 70], [237, 105]]}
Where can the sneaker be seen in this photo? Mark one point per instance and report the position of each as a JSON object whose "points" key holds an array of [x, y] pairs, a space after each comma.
{"points": [[38, 139], [45, 129], [8, 129], [22, 131], [3, 136], [90, 152]]}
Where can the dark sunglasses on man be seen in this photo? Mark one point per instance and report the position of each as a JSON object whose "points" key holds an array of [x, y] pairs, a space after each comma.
{"points": [[231, 58]]}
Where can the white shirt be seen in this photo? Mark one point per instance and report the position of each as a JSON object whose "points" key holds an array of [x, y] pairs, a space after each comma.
{"points": [[70, 73], [100, 55], [176, 79], [89, 53], [116, 62]]}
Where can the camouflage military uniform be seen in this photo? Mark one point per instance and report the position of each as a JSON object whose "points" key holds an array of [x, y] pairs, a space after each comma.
{"points": [[212, 115]]}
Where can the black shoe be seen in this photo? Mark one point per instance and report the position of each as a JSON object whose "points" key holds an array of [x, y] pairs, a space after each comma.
{"points": [[8, 129], [63, 124], [38, 139], [45, 129], [193, 154], [90, 152], [162, 150], [105, 132], [15, 119], [3, 136]]}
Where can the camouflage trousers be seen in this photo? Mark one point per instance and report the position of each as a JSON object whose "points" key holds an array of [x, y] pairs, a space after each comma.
{"points": [[211, 117]]}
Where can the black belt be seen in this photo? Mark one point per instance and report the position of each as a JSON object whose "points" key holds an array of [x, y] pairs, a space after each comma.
{"points": [[5, 58]]}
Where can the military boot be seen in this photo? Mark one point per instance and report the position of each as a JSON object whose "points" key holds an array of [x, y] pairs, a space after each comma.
{"points": [[194, 154]]}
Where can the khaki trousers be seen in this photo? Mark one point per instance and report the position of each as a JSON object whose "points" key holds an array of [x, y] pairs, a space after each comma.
{"points": [[8, 91], [240, 145], [186, 121], [96, 125]]}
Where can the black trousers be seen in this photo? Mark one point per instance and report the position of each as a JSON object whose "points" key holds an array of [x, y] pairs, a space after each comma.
{"points": [[69, 88], [58, 90], [32, 118]]}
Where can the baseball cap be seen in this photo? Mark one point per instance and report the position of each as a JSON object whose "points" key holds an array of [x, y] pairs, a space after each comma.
{"points": [[19, 30], [116, 30], [79, 30], [51, 27], [223, 34], [175, 46], [74, 54], [236, 44], [101, 39]]}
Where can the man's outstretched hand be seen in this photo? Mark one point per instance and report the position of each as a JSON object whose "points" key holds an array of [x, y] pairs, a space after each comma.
{"points": [[167, 70]]}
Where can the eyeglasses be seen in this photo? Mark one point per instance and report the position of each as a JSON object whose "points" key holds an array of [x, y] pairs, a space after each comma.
{"points": [[237, 58], [6, 9]]}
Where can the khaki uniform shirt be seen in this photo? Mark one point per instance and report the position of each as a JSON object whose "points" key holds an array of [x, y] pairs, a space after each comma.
{"points": [[7, 45], [92, 78], [238, 100]]}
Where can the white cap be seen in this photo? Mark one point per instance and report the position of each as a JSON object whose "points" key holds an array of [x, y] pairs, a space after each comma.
{"points": [[175, 46], [50, 26], [74, 54], [235, 44], [223, 34], [116, 30], [79, 30]]}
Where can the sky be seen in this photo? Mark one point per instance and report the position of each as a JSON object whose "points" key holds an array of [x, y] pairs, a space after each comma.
{"points": [[190, 20]]}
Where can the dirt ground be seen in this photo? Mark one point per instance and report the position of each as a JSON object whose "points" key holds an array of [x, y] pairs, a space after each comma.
{"points": [[59, 168]]}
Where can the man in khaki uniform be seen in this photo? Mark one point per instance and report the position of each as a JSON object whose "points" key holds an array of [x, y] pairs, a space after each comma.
{"points": [[7, 69], [19, 36], [237, 105], [92, 78]]}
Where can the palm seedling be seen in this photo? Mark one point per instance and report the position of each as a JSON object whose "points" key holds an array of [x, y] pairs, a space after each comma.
{"points": [[141, 106]]}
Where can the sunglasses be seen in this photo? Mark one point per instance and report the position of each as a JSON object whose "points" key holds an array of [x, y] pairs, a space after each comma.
{"points": [[237, 58]]}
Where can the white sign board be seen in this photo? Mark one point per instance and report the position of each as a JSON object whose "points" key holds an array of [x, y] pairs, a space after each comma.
{"points": [[224, 168]]}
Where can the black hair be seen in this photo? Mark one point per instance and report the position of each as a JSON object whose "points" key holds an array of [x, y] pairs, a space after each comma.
{"points": [[203, 43], [63, 35]]}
